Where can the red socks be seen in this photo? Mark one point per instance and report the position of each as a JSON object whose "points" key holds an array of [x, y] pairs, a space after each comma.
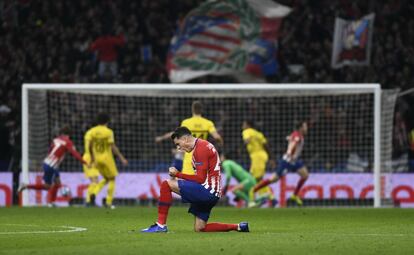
{"points": [[36, 186], [262, 183], [219, 227], [299, 185], [164, 203], [52, 193]]}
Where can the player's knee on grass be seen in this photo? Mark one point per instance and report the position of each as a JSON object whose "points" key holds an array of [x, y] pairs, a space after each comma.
{"points": [[199, 225], [198, 229]]}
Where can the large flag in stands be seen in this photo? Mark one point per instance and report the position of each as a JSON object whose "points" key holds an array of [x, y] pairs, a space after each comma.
{"points": [[227, 37], [352, 41]]}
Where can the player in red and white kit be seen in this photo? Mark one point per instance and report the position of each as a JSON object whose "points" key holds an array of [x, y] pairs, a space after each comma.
{"points": [[291, 162], [201, 190], [57, 151]]}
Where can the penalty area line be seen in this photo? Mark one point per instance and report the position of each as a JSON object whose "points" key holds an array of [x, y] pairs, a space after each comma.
{"points": [[66, 229]]}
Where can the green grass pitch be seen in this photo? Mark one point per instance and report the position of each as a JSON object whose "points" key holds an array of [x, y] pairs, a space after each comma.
{"points": [[273, 231]]}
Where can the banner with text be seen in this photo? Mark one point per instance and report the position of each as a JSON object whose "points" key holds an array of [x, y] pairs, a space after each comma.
{"points": [[6, 188], [141, 186]]}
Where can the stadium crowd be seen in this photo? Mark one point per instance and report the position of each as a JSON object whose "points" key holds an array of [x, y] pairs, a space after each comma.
{"points": [[45, 41]]}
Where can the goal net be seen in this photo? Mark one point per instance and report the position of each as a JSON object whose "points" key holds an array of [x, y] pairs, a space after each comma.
{"points": [[349, 138]]}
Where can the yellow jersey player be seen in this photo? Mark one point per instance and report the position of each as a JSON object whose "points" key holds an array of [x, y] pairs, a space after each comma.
{"points": [[200, 127], [257, 147], [92, 172], [101, 146]]}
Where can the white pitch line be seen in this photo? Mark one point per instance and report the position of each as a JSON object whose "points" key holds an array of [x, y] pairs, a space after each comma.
{"points": [[336, 234], [69, 229]]}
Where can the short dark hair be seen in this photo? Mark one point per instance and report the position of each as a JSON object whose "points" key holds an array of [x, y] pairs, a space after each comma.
{"points": [[65, 130], [249, 122], [197, 107], [180, 132], [102, 118], [300, 124]]}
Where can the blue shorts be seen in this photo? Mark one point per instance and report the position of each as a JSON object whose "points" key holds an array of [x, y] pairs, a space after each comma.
{"points": [[201, 200], [50, 174], [283, 167]]}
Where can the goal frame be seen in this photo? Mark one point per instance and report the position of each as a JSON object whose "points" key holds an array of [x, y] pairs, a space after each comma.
{"points": [[373, 88]]}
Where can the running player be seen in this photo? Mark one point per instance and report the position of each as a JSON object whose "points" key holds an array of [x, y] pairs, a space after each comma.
{"points": [[92, 173], [258, 149], [291, 162], [51, 177], [201, 190], [102, 147]]}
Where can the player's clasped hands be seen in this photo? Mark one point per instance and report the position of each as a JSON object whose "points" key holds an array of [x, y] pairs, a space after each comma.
{"points": [[172, 171]]}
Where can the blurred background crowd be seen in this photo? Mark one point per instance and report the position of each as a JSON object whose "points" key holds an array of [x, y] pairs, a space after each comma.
{"points": [[105, 41]]}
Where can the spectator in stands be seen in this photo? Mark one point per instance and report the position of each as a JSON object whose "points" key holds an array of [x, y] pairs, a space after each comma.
{"points": [[106, 47]]}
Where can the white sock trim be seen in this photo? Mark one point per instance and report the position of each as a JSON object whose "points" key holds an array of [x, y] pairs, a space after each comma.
{"points": [[160, 225]]}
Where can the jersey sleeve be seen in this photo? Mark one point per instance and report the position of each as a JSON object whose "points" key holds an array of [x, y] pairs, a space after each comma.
{"points": [[88, 136], [71, 148], [210, 127], [200, 177], [295, 137], [184, 123], [111, 138], [87, 141], [201, 165], [263, 138], [246, 135]]}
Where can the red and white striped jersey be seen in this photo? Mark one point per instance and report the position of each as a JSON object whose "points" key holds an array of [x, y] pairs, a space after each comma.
{"points": [[57, 151], [297, 138], [206, 163]]}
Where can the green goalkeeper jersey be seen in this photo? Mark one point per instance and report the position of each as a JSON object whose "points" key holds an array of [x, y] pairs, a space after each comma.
{"points": [[232, 169]]}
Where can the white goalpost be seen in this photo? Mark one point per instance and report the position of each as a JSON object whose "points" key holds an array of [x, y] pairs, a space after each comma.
{"points": [[347, 147]]}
